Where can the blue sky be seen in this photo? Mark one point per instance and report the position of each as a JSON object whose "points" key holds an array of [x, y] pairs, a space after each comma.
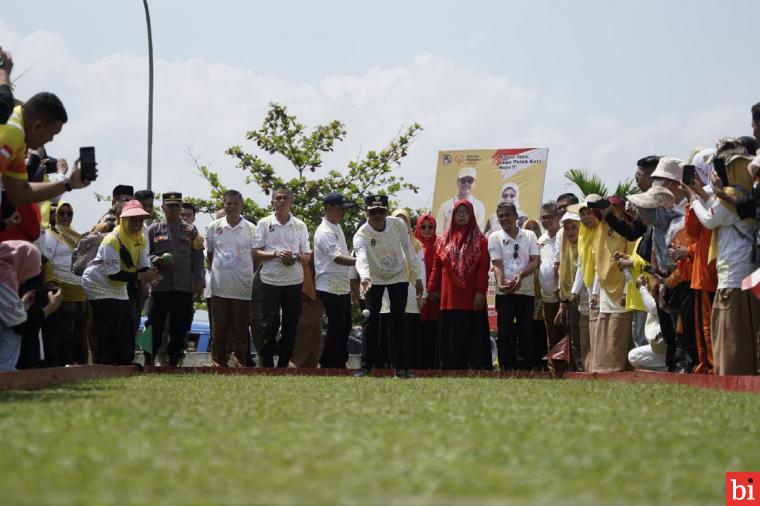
{"points": [[599, 83]]}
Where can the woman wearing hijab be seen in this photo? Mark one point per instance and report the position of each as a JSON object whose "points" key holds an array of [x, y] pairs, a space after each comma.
{"points": [[590, 226], [19, 261], [122, 258], [510, 193], [735, 313], [460, 280], [614, 331], [424, 353], [412, 315], [64, 332]]}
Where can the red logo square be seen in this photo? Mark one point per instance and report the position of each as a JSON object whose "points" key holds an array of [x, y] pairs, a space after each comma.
{"points": [[742, 489]]}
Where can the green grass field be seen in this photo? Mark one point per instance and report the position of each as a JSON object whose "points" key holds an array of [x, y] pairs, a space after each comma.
{"points": [[305, 440]]}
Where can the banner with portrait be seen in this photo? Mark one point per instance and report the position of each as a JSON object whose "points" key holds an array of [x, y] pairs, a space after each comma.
{"points": [[487, 177]]}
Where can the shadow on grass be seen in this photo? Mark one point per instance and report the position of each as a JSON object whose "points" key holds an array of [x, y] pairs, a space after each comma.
{"points": [[66, 391]]}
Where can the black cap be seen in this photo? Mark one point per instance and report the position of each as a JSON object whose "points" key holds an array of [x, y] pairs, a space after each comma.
{"points": [[123, 189], [172, 198], [376, 202], [336, 199]]}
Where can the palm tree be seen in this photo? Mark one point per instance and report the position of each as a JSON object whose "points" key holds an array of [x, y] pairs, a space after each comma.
{"points": [[588, 183]]}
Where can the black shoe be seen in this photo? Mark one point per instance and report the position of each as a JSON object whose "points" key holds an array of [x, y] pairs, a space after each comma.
{"points": [[407, 374], [363, 373], [399, 373]]}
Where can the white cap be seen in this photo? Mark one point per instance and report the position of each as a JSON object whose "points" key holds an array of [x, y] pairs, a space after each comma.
{"points": [[467, 171]]}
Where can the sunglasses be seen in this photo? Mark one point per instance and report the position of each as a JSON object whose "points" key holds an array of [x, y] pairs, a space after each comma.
{"points": [[65, 213], [426, 227], [377, 212]]}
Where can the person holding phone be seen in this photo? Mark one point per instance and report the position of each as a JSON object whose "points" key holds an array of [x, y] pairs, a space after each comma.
{"points": [[31, 126]]}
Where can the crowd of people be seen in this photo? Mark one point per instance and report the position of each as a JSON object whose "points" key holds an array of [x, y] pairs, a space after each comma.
{"points": [[652, 280]]}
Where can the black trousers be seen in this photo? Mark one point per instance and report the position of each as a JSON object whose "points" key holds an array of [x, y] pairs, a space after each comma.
{"points": [[515, 323], [63, 334], [338, 312], [400, 348], [288, 300], [178, 307], [113, 328]]}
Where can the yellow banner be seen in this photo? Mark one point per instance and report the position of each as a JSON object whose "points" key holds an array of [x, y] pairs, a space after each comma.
{"points": [[486, 177]]}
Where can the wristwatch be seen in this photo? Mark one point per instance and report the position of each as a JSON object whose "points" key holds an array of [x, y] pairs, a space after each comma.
{"points": [[67, 185]]}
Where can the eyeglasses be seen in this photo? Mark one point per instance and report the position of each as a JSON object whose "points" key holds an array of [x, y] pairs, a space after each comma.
{"points": [[65, 213], [517, 249], [426, 227]]}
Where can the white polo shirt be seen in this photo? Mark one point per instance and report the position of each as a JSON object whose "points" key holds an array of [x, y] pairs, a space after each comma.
{"points": [[502, 247], [329, 243], [232, 266], [271, 235]]}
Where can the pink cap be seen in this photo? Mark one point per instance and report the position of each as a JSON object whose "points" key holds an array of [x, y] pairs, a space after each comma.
{"points": [[132, 209]]}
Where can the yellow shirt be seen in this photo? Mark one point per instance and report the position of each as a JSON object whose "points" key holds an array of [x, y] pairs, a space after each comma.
{"points": [[13, 147]]}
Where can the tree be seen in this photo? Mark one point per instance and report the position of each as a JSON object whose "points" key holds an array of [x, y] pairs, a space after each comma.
{"points": [[282, 134], [588, 183]]}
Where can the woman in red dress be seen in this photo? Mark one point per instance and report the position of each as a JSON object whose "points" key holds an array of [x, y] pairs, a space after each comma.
{"points": [[460, 280]]}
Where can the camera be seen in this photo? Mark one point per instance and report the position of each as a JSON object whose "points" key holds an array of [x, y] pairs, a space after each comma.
{"points": [[599, 204]]}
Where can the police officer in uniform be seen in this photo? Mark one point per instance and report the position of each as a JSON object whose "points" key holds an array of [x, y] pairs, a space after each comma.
{"points": [[176, 248]]}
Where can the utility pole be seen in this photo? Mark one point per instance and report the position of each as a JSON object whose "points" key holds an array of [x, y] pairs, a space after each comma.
{"points": [[150, 96]]}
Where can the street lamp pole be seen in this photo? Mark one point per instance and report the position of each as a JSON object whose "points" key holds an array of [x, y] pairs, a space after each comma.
{"points": [[150, 95]]}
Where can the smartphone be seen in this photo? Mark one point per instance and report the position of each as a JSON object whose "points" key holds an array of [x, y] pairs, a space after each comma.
{"points": [[719, 165], [87, 163], [689, 174]]}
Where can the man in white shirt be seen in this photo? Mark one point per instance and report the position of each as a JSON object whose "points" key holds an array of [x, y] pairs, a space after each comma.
{"points": [[515, 256], [549, 246], [332, 265], [465, 184], [385, 259], [280, 244], [229, 251]]}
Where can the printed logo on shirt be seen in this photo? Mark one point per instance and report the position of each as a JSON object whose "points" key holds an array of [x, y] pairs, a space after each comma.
{"points": [[6, 151], [271, 228], [740, 489], [219, 230], [373, 242]]}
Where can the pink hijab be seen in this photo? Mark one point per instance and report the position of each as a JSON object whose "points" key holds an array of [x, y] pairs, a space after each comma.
{"points": [[19, 261]]}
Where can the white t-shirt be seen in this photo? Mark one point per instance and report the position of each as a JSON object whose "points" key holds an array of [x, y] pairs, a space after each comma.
{"points": [[95, 280], [329, 243], [232, 265], [59, 255], [384, 257], [271, 235], [549, 247], [501, 246], [734, 261]]}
